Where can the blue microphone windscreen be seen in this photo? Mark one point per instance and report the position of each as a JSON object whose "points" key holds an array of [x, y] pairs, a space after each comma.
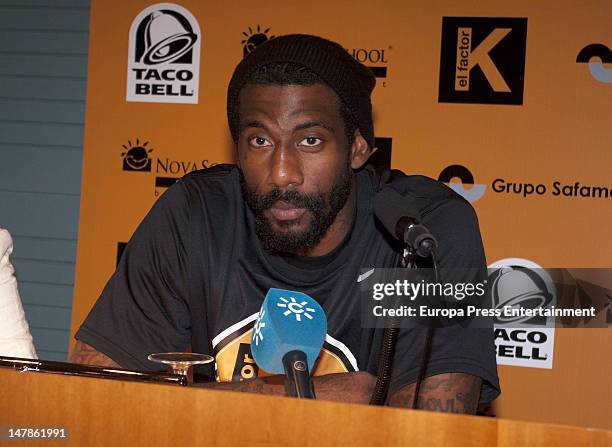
{"points": [[287, 321]]}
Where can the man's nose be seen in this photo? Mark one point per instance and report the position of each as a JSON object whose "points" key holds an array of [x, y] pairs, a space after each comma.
{"points": [[286, 168]]}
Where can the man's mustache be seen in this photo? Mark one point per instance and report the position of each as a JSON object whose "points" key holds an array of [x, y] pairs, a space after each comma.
{"points": [[291, 196]]}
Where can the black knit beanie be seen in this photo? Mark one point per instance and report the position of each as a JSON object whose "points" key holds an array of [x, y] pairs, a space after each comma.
{"points": [[352, 81]]}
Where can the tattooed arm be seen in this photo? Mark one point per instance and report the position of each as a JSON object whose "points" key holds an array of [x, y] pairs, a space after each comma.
{"points": [[352, 387], [449, 393], [86, 355]]}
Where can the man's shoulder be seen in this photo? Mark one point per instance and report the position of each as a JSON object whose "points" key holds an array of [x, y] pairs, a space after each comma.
{"points": [[219, 181], [218, 174], [426, 193], [211, 188], [449, 217]]}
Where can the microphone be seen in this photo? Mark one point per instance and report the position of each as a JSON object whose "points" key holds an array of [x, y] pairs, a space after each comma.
{"points": [[287, 338], [403, 222]]}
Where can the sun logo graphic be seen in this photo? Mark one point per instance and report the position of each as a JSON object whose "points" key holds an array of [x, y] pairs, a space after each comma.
{"points": [[259, 325], [295, 308], [254, 38], [136, 157]]}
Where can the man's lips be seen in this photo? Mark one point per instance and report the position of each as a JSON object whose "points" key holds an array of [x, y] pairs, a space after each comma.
{"points": [[286, 211]]}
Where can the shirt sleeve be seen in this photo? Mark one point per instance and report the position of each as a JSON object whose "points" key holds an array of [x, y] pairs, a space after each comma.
{"points": [[144, 307], [454, 224]]}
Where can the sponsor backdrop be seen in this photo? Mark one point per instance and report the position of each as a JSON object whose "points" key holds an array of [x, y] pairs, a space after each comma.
{"points": [[508, 104]]}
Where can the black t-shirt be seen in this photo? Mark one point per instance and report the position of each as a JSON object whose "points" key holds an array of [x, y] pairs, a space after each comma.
{"points": [[195, 275]]}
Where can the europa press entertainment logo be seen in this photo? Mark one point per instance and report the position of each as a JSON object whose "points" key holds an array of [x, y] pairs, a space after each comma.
{"points": [[482, 60], [472, 193], [596, 55], [164, 56]]}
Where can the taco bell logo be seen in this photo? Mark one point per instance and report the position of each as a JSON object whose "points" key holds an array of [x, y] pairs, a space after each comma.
{"points": [[522, 341], [164, 56], [518, 286]]}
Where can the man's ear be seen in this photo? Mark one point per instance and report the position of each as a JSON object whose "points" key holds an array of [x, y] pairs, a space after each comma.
{"points": [[360, 151]]}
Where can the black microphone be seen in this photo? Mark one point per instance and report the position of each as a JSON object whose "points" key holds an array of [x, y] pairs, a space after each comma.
{"points": [[403, 222]]}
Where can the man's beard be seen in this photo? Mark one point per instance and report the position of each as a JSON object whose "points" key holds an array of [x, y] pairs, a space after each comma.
{"points": [[323, 209]]}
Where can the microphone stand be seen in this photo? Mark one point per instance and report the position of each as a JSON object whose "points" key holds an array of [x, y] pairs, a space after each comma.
{"points": [[388, 208], [297, 382], [385, 364], [426, 347]]}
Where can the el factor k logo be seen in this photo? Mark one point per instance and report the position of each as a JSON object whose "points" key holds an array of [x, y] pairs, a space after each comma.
{"points": [[482, 60]]}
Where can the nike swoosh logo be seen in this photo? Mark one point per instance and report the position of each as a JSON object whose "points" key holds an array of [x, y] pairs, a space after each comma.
{"points": [[365, 275]]}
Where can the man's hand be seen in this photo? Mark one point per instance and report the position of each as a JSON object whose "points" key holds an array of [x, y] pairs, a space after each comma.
{"points": [[449, 393], [86, 355], [352, 387]]}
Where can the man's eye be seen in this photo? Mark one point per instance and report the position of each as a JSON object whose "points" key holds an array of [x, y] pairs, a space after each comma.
{"points": [[311, 141], [259, 142]]}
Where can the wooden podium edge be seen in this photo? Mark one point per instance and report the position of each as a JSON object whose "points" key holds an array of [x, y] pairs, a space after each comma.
{"points": [[107, 412]]}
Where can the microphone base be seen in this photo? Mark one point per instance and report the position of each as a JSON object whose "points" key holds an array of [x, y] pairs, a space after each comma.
{"points": [[297, 382]]}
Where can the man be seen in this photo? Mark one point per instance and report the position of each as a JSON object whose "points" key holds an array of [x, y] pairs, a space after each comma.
{"points": [[296, 213]]}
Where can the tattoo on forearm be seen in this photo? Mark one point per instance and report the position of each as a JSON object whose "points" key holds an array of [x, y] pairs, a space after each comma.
{"points": [[355, 387], [87, 355], [403, 398], [337, 383], [469, 400], [262, 385], [449, 393]]}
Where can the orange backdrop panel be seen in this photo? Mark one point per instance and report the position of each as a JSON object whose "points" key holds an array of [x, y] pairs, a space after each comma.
{"points": [[561, 132]]}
